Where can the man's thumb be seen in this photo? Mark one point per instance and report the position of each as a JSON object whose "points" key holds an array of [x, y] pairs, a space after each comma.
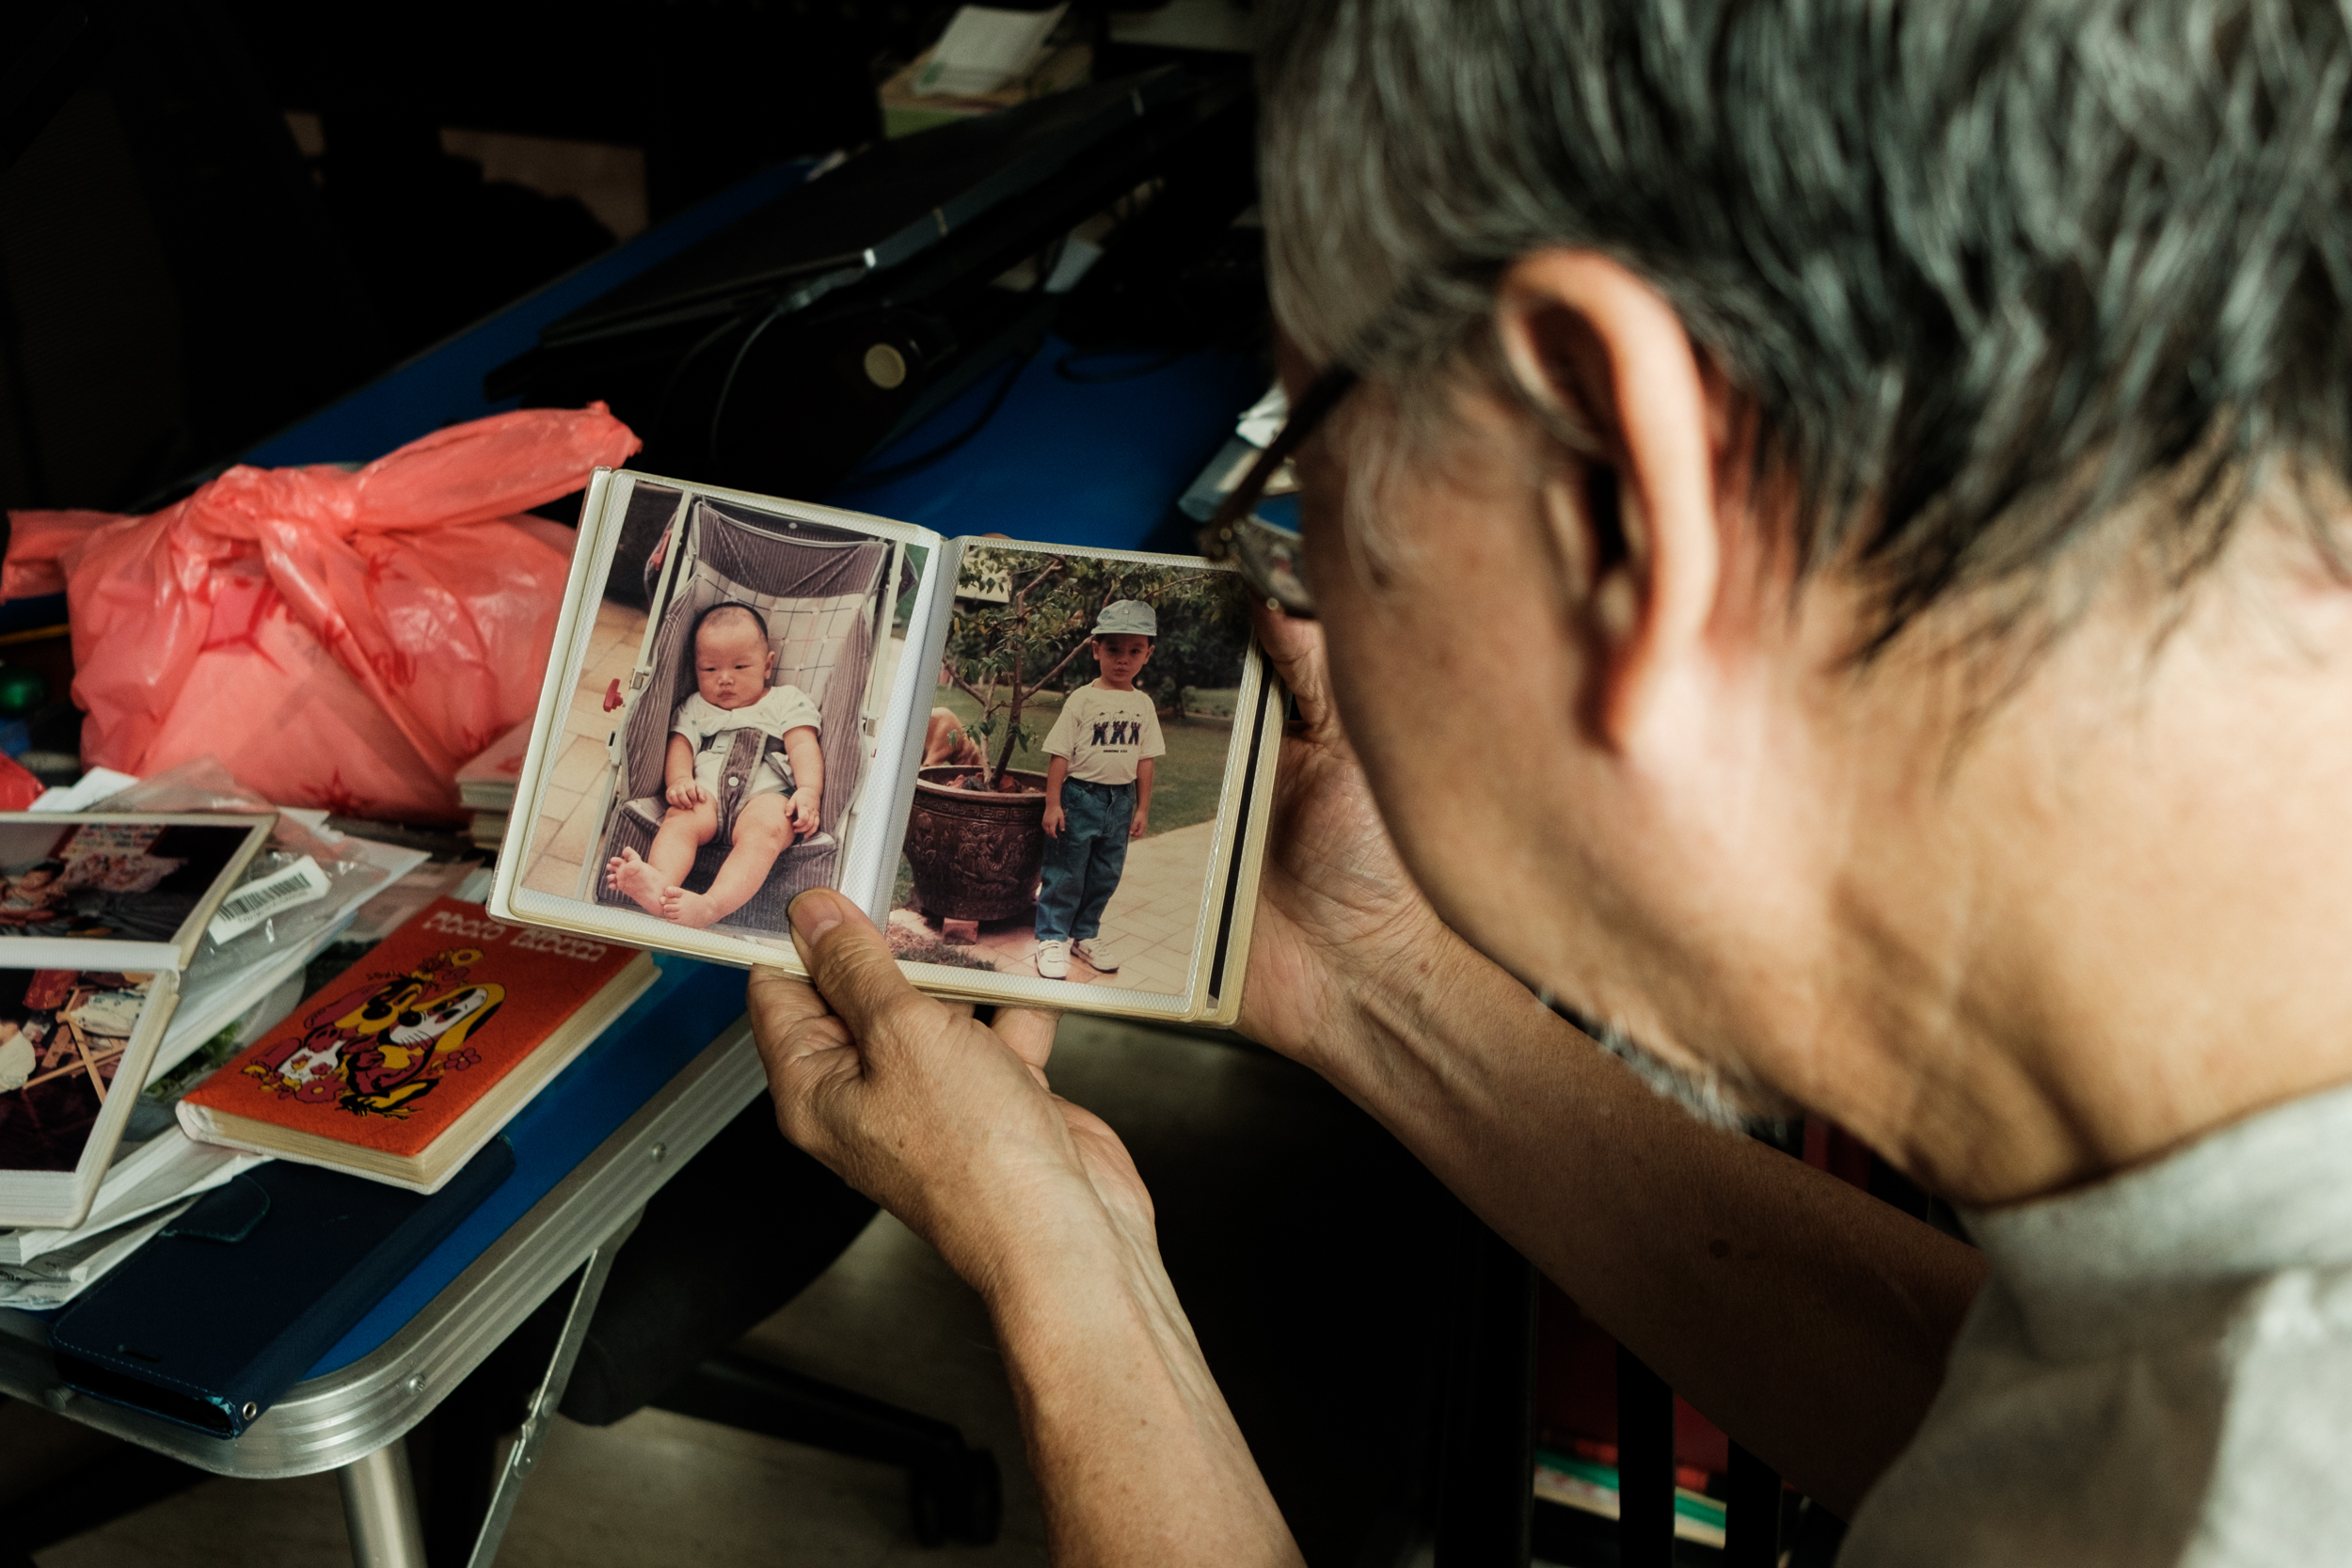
{"points": [[849, 962]]}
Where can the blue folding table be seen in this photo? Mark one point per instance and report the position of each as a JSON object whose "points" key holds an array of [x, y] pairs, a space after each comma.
{"points": [[1082, 463]]}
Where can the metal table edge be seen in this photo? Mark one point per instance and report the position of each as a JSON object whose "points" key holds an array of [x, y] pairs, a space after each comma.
{"points": [[325, 1422]]}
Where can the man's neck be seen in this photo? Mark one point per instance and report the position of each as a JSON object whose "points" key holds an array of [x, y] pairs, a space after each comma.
{"points": [[2104, 913]]}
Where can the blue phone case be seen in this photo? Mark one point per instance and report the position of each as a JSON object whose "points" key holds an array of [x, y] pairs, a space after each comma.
{"points": [[213, 1320]]}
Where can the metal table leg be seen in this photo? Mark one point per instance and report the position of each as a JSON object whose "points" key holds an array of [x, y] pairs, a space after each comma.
{"points": [[380, 1509], [523, 1456]]}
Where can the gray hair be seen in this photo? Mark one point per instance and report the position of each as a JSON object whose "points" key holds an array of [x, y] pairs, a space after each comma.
{"points": [[1987, 268]]}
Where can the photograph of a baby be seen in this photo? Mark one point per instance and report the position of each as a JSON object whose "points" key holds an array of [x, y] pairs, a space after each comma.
{"points": [[744, 766], [720, 726], [1074, 764]]}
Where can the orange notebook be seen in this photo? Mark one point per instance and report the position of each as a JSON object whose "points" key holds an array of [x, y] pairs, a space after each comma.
{"points": [[403, 1066]]}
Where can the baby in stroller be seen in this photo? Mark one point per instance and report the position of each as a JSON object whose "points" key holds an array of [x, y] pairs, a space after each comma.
{"points": [[743, 764]]}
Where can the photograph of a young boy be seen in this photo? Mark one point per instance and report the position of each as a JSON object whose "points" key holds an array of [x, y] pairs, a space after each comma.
{"points": [[1098, 792], [744, 763]]}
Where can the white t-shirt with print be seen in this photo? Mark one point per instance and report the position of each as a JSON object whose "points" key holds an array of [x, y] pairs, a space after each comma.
{"points": [[1104, 735]]}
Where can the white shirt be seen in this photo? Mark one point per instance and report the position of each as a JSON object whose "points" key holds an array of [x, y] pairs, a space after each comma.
{"points": [[785, 707], [1106, 734], [2158, 1370]]}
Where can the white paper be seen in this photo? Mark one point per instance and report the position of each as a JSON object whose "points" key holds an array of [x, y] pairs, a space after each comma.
{"points": [[92, 788], [984, 49], [1262, 419]]}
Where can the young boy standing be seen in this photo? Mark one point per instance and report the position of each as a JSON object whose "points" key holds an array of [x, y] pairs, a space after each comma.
{"points": [[1098, 791]]}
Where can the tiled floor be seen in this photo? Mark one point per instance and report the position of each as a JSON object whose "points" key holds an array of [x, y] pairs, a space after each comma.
{"points": [[1151, 922], [561, 841]]}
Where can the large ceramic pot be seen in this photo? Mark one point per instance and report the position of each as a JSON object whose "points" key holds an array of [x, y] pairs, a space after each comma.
{"points": [[976, 856]]}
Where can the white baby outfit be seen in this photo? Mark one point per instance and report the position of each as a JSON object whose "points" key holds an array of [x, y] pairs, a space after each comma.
{"points": [[708, 729]]}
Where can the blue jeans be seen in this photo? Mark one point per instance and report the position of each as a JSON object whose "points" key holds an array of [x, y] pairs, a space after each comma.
{"points": [[1083, 862]]}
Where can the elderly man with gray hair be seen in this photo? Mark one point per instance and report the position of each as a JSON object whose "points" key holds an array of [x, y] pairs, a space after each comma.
{"points": [[1828, 529]]}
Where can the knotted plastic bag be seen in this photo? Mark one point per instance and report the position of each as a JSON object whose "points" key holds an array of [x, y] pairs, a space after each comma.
{"points": [[339, 639]]}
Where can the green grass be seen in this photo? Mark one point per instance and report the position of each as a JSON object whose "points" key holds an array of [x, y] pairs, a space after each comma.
{"points": [[1185, 783], [1210, 701]]}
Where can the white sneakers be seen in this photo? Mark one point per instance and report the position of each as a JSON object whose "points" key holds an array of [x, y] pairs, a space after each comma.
{"points": [[1052, 957]]}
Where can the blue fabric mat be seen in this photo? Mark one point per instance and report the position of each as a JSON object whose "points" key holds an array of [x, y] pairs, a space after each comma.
{"points": [[665, 1029]]}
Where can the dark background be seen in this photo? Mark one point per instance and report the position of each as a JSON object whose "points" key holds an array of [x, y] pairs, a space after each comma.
{"points": [[216, 216]]}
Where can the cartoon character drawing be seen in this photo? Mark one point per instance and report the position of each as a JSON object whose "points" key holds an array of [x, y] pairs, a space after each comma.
{"points": [[378, 1050]]}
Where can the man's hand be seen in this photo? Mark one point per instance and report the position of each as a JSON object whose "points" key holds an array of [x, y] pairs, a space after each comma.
{"points": [[1336, 909], [948, 1123], [944, 1121], [685, 793]]}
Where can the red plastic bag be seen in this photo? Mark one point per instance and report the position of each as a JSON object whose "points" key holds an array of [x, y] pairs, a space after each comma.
{"points": [[17, 788], [339, 639]]}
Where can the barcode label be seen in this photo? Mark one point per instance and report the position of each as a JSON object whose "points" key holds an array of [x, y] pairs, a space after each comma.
{"points": [[255, 902]]}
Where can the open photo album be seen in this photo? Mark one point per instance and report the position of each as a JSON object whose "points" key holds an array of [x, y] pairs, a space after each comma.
{"points": [[1043, 770]]}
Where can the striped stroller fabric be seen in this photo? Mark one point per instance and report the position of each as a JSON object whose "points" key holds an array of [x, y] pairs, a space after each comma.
{"points": [[822, 590]]}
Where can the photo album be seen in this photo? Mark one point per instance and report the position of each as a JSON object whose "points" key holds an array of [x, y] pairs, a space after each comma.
{"points": [[98, 916], [1044, 770]]}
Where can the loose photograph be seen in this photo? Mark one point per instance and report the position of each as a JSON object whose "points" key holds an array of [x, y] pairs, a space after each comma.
{"points": [[128, 880], [62, 1035], [715, 750], [1077, 752]]}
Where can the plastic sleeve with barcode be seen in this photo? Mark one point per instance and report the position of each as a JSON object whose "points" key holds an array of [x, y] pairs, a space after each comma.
{"points": [[297, 884]]}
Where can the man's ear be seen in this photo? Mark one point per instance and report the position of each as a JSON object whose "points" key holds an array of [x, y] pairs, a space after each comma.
{"points": [[1605, 358]]}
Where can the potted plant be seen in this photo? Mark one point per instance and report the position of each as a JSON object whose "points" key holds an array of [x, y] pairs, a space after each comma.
{"points": [[976, 837]]}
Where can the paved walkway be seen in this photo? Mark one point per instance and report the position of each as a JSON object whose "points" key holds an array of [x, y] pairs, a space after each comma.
{"points": [[564, 829], [1150, 922]]}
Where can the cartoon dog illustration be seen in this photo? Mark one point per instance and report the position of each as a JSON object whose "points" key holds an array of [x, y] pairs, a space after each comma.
{"points": [[378, 1050]]}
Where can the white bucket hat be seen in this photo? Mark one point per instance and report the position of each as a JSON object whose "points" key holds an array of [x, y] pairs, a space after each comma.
{"points": [[1131, 617]]}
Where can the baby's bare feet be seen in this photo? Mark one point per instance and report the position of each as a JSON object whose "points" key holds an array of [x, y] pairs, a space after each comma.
{"points": [[630, 873], [690, 909]]}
